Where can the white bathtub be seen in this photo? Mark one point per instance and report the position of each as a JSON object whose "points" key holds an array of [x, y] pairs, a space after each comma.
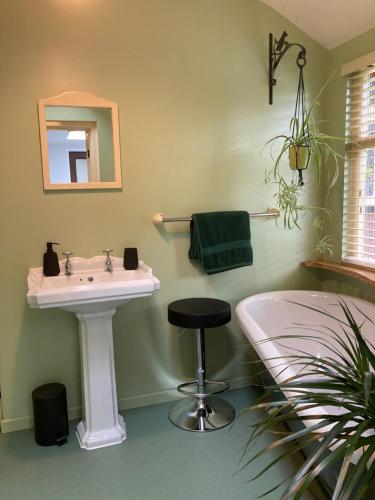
{"points": [[268, 315]]}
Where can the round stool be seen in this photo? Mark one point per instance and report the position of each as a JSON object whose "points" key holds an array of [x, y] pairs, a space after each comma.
{"points": [[201, 411]]}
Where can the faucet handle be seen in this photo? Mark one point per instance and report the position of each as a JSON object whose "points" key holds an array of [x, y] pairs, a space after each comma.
{"points": [[108, 263], [68, 268]]}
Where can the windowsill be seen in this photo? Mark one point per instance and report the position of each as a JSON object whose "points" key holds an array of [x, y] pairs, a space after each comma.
{"points": [[364, 275]]}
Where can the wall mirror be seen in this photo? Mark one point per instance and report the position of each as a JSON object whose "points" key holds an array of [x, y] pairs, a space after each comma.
{"points": [[80, 142]]}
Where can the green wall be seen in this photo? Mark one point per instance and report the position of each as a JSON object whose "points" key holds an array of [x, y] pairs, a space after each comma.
{"points": [[190, 79], [335, 114]]}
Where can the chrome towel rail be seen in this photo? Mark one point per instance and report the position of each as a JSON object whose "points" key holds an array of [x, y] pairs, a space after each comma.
{"points": [[160, 218]]}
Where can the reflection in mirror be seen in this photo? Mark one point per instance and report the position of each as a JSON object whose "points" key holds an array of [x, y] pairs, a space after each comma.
{"points": [[80, 142]]}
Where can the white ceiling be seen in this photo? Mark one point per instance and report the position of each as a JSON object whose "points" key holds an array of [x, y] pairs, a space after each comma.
{"points": [[329, 22]]}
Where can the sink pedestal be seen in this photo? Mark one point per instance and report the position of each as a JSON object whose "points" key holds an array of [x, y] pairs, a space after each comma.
{"points": [[101, 424]]}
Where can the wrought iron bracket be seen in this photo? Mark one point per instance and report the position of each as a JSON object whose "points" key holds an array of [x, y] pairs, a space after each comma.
{"points": [[277, 50]]}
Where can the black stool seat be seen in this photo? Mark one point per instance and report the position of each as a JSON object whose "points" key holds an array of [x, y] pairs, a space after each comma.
{"points": [[199, 313]]}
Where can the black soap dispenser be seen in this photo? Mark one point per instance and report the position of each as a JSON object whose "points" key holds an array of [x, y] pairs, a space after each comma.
{"points": [[51, 265]]}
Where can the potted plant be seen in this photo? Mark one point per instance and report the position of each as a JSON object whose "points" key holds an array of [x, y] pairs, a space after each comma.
{"points": [[299, 156], [304, 144], [345, 380]]}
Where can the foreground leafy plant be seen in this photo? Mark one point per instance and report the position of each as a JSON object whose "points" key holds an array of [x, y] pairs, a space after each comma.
{"points": [[345, 379]]}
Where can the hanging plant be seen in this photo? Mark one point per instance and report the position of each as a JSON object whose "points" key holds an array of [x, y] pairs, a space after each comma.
{"points": [[299, 150], [288, 202], [305, 145]]}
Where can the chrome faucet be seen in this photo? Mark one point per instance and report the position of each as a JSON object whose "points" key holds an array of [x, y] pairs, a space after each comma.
{"points": [[108, 262], [68, 264]]}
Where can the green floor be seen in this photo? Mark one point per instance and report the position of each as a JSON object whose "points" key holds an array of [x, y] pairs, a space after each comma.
{"points": [[157, 461]]}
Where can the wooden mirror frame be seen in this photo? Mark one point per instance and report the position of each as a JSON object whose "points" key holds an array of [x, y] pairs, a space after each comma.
{"points": [[81, 100]]}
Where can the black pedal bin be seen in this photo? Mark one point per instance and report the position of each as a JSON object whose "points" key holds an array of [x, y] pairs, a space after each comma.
{"points": [[50, 414]]}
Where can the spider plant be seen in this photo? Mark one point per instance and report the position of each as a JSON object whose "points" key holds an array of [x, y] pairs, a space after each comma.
{"points": [[324, 245], [304, 144], [322, 147], [345, 379], [288, 202]]}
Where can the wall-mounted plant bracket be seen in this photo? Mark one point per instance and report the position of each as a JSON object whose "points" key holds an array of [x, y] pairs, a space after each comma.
{"points": [[277, 50]]}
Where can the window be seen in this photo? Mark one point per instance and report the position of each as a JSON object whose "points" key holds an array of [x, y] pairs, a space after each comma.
{"points": [[359, 176]]}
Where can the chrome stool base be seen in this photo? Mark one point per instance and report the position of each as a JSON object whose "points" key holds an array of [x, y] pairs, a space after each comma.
{"points": [[202, 415]]}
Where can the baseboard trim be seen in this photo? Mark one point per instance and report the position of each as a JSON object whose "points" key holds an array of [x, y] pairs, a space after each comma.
{"points": [[21, 423]]}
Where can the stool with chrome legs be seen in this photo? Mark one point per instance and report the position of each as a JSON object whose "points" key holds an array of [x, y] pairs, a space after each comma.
{"points": [[202, 411]]}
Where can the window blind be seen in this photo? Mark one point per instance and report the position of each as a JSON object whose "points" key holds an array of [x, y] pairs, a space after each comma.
{"points": [[359, 171]]}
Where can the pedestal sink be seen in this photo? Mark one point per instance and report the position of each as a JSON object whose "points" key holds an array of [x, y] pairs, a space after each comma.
{"points": [[93, 294]]}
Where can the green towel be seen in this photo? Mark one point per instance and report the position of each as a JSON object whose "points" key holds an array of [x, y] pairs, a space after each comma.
{"points": [[221, 240]]}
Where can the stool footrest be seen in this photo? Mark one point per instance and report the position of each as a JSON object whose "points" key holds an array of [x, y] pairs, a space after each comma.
{"points": [[210, 388]]}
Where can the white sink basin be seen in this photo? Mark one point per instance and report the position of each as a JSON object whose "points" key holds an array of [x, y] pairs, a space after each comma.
{"points": [[93, 294], [90, 284]]}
